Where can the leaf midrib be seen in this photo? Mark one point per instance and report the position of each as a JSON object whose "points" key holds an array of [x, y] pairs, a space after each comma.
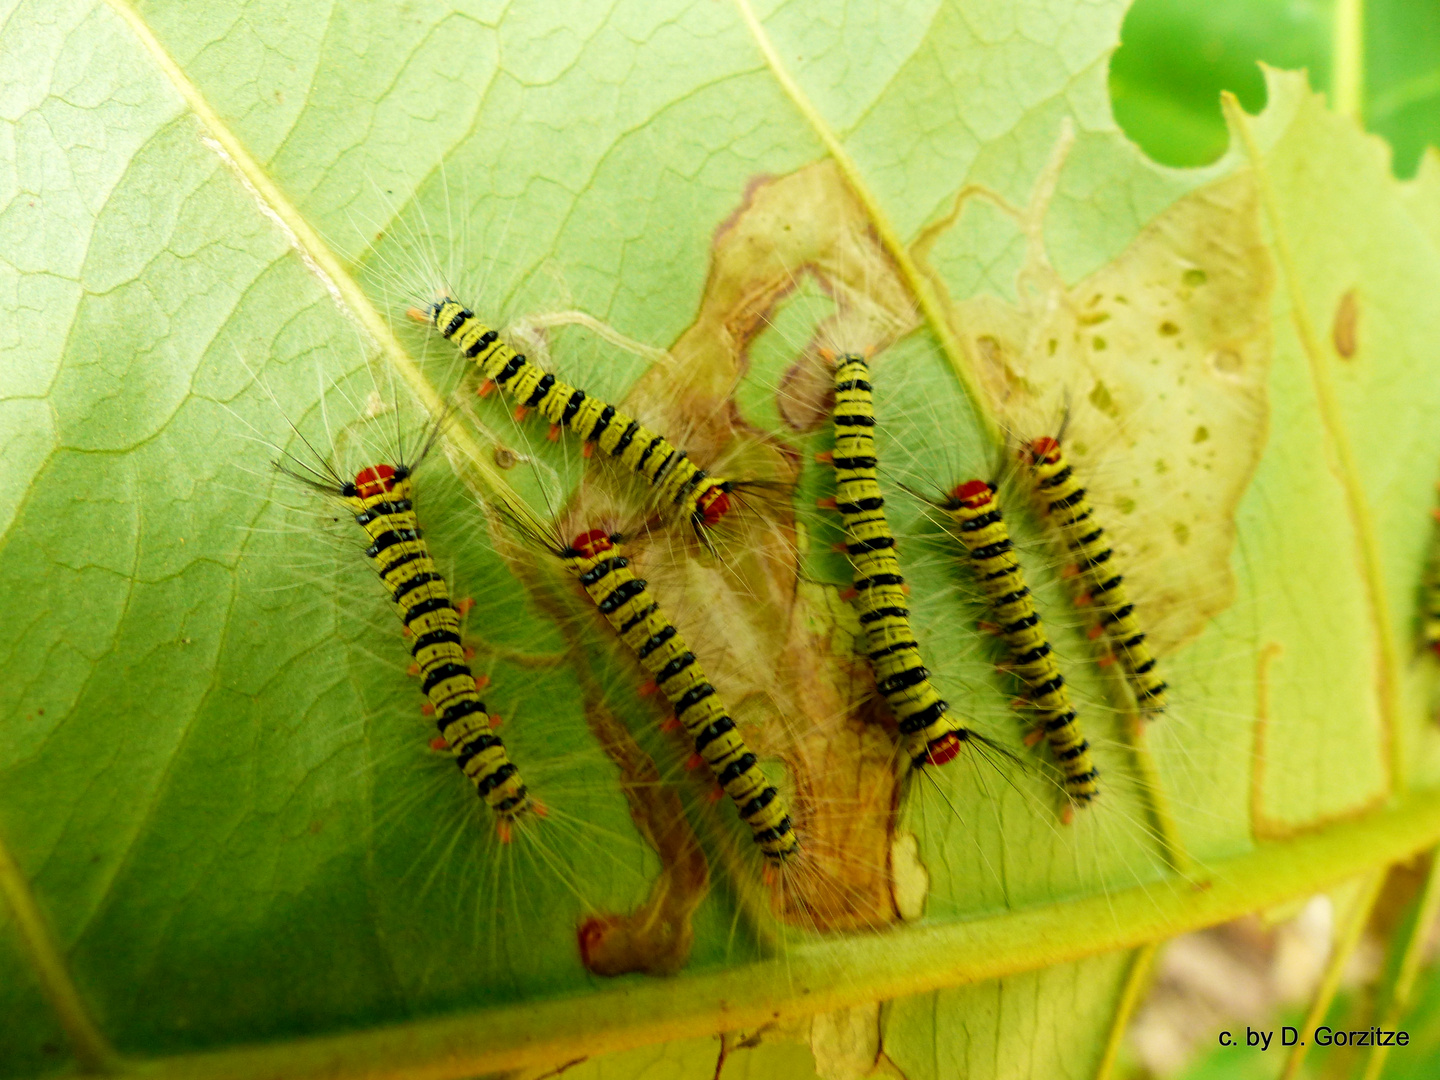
{"points": [[956, 353], [825, 975], [326, 265]]}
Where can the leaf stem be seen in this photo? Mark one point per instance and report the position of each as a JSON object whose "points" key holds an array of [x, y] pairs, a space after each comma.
{"points": [[951, 344], [1137, 978], [1410, 962], [1363, 904]]}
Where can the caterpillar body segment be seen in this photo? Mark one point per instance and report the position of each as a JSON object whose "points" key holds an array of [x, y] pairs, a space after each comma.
{"points": [[929, 732], [602, 569], [1064, 499], [976, 510], [381, 498], [676, 480]]}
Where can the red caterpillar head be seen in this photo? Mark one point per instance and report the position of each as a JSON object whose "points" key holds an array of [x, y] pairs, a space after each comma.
{"points": [[943, 749], [375, 480], [971, 494], [712, 505], [1042, 451], [592, 543]]}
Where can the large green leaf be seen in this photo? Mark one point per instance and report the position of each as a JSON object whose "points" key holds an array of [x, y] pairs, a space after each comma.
{"points": [[219, 832]]}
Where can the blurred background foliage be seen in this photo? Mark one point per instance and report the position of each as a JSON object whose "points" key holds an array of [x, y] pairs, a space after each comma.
{"points": [[1176, 57]]}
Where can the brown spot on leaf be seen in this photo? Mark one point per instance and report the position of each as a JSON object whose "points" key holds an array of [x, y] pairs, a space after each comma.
{"points": [[989, 348], [1226, 362], [1343, 332]]}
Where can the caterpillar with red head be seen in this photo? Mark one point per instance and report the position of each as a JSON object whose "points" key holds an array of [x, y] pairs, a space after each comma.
{"points": [[930, 732], [381, 499], [975, 508], [597, 561], [676, 480], [1070, 511]]}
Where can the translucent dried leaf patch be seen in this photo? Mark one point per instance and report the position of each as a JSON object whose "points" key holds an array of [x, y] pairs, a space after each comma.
{"points": [[1156, 367]]}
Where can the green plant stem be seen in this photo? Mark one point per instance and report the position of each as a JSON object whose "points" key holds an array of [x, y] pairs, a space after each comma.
{"points": [[1359, 916], [1414, 955], [1137, 978]]}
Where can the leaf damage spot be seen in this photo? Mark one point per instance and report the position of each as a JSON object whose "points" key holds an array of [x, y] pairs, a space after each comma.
{"points": [[910, 879], [1101, 399], [778, 649], [1204, 264], [1226, 362], [1344, 330], [657, 936], [846, 1043]]}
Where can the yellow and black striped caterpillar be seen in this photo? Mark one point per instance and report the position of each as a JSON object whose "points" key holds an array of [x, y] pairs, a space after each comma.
{"points": [[976, 510], [675, 479], [380, 496], [929, 732], [1065, 500], [596, 560]]}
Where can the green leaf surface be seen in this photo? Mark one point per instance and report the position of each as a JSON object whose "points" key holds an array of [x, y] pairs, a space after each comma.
{"points": [[227, 852]]}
